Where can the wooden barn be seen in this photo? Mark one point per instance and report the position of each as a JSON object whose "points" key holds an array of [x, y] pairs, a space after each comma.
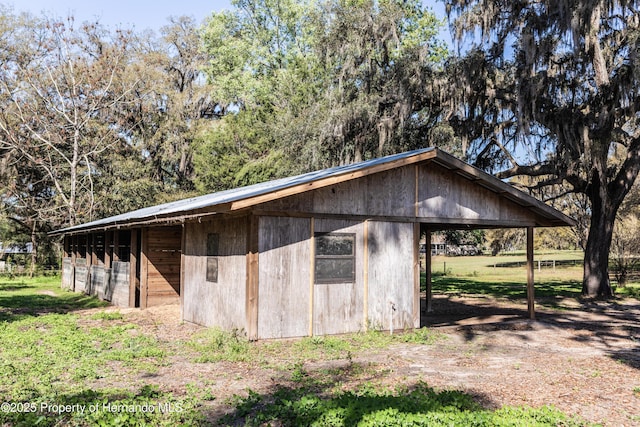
{"points": [[326, 252]]}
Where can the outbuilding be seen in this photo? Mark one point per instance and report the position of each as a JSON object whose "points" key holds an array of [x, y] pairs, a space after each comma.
{"points": [[326, 252]]}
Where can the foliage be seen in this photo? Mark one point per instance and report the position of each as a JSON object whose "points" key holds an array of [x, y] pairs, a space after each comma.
{"points": [[312, 84], [550, 90], [51, 345], [419, 405]]}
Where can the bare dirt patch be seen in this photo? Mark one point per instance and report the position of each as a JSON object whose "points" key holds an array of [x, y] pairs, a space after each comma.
{"points": [[580, 357]]}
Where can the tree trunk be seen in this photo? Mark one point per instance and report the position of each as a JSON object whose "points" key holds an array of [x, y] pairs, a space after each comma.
{"points": [[595, 282], [34, 249]]}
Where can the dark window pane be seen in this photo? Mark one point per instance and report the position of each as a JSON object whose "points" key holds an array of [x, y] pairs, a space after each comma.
{"points": [[334, 244], [335, 270], [212, 269]]}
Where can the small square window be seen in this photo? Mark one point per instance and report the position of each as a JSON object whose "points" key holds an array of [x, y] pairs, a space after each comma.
{"points": [[335, 258]]}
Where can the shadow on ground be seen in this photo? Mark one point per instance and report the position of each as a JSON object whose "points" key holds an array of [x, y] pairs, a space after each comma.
{"points": [[19, 300], [613, 325]]}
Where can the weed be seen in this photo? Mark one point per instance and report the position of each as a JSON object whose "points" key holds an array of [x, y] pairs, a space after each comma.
{"points": [[107, 315], [374, 406]]}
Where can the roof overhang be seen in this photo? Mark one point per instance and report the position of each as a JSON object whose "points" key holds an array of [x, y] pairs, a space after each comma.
{"points": [[246, 197]]}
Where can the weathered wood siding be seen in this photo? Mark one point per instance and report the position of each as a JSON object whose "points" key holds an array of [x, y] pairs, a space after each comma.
{"points": [[427, 191], [220, 304], [118, 290], [162, 269], [339, 307], [284, 268], [67, 273], [81, 276], [390, 193], [99, 281], [443, 195], [390, 277]]}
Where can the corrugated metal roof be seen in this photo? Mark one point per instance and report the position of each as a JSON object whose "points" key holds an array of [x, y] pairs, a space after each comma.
{"points": [[184, 206]]}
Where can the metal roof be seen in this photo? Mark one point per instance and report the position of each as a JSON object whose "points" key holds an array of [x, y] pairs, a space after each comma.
{"points": [[254, 194]]}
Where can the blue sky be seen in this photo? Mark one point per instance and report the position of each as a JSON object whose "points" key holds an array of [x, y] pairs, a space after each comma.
{"points": [[142, 14], [139, 14]]}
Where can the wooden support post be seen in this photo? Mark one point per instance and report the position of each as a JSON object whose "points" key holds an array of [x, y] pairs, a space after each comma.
{"points": [[65, 246], [74, 249], [312, 271], [427, 267], [251, 305], [530, 284], [365, 278], [108, 248], [183, 260], [416, 275], [133, 268], [116, 246], [144, 267]]}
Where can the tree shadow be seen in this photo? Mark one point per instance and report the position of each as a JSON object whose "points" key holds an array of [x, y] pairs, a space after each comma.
{"points": [[292, 406], [16, 306], [610, 325], [146, 406]]}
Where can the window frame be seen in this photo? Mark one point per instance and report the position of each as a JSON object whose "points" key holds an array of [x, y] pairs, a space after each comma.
{"points": [[352, 257]]}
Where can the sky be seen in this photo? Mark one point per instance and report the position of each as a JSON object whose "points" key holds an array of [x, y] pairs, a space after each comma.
{"points": [[137, 14], [143, 14]]}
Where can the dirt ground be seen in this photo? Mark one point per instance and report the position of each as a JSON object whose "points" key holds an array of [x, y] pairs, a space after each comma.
{"points": [[580, 357]]}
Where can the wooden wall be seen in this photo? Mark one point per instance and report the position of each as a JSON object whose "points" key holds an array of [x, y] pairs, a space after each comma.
{"points": [[220, 304], [284, 274], [118, 288], [446, 195], [81, 276], [160, 266], [339, 307], [68, 280], [391, 249], [426, 191]]}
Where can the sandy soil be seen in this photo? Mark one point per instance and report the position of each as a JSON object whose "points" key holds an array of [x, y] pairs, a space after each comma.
{"points": [[581, 357]]}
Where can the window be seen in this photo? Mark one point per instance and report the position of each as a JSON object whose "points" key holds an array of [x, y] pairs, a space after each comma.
{"points": [[213, 240], [335, 258]]}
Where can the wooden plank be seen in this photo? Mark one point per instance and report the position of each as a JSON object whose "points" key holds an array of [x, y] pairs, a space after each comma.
{"points": [[144, 267], [120, 279], [133, 276], [530, 284], [116, 246], [108, 248], [391, 277], [429, 284], [416, 275], [284, 263], [331, 180], [312, 269], [365, 275], [222, 303], [339, 307], [392, 193], [182, 270], [253, 277]]}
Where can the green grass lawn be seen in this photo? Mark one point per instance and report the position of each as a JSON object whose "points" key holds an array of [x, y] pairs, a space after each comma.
{"points": [[66, 361], [505, 276]]}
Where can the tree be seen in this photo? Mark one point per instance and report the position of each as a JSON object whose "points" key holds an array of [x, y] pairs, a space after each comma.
{"points": [[307, 85], [173, 102], [550, 90], [61, 99]]}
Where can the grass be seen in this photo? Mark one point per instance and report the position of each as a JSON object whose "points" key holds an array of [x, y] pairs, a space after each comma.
{"points": [[57, 356], [505, 276], [419, 405]]}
